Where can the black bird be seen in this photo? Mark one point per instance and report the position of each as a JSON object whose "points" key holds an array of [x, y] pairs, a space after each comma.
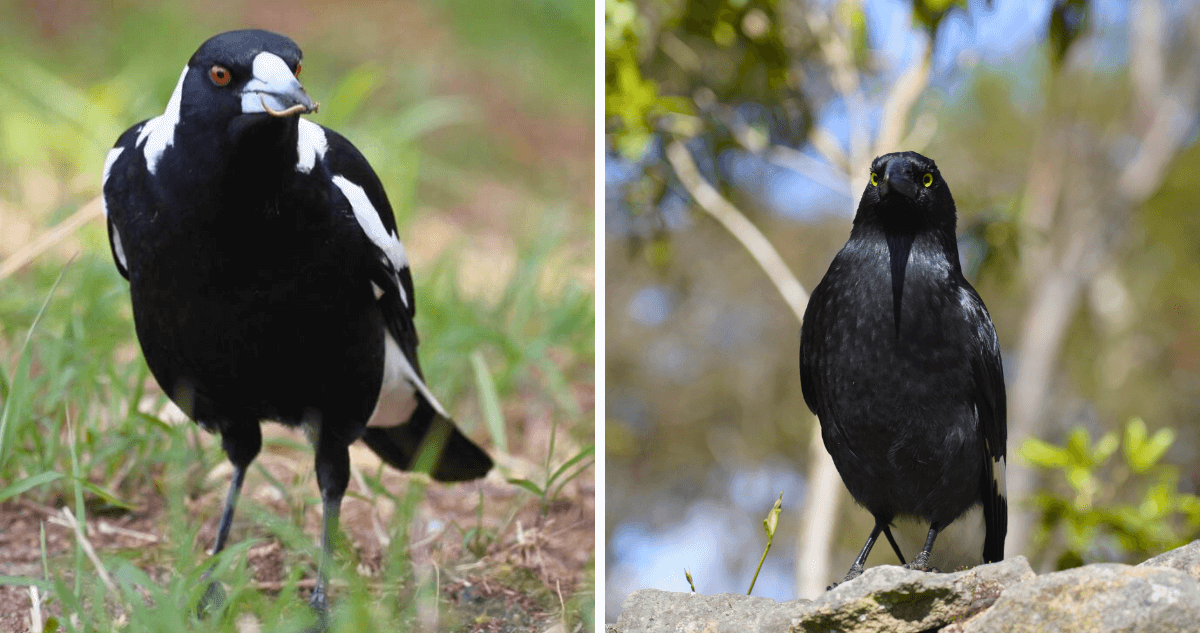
{"points": [[267, 278], [901, 365]]}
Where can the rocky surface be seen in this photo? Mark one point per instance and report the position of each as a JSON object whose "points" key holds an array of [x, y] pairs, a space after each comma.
{"points": [[1161, 595]]}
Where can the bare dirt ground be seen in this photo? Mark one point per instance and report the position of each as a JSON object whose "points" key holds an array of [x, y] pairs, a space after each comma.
{"points": [[493, 592]]}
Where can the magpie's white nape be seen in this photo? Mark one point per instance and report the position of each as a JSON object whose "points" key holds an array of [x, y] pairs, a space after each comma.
{"points": [[901, 364], [268, 280]]}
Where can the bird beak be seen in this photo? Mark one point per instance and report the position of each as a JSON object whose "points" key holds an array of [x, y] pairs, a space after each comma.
{"points": [[896, 178], [274, 90]]}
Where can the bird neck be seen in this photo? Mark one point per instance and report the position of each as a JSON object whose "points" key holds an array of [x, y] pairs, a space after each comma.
{"points": [[899, 242], [263, 148]]}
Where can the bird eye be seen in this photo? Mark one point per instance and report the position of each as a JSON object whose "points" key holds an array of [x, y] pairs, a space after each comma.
{"points": [[220, 75], [874, 179], [297, 73], [927, 180]]}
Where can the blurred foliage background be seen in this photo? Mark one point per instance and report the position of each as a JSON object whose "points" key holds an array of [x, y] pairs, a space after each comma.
{"points": [[479, 119], [1067, 132]]}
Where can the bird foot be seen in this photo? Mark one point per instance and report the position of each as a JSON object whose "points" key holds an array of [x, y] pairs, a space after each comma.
{"points": [[213, 599], [922, 566], [318, 602], [854, 572]]}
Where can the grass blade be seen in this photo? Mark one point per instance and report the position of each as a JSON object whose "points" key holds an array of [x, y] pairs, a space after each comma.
{"points": [[489, 401]]}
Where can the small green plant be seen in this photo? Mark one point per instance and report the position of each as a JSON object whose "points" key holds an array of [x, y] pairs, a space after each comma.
{"points": [[560, 477], [1132, 505], [769, 524]]}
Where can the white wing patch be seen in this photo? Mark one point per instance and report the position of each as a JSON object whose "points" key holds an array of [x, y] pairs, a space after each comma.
{"points": [[397, 395], [159, 132], [998, 475], [117, 248], [311, 145], [109, 160], [368, 218]]}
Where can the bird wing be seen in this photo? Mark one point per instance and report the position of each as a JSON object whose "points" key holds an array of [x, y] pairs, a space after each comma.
{"points": [[350, 173], [991, 411], [123, 179]]}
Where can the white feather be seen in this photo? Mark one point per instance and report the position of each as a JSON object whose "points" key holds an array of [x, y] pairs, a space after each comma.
{"points": [[368, 218], [397, 395], [159, 132], [120, 250], [109, 159], [311, 145]]}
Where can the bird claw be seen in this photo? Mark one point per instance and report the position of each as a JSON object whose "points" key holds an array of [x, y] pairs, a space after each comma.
{"points": [[318, 602], [212, 600], [854, 572]]}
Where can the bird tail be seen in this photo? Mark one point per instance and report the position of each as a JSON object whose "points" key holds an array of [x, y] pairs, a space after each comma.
{"points": [[995, 513], [429, 442]]}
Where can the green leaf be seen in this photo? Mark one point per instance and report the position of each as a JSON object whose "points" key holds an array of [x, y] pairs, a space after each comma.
{"points": [[588, 450], [772, 519], [1146, 453], [1079, 444], [528, 485], [1041, 453], [28, 483], [1157, 502], [489, 401], [1079, 478], [1105, 448], [1135, 436]]}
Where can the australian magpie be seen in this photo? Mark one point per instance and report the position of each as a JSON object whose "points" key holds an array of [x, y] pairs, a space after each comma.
{"points": [[267, 278], [901, 365]]}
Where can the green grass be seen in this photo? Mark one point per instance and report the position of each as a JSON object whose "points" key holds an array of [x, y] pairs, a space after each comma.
{"points": [[70, 423], [78, 427]]}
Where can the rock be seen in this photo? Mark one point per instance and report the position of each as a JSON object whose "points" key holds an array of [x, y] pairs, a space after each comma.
{"points": [[1100, 597], [1186, 559], [656, 611], [894, 599]]}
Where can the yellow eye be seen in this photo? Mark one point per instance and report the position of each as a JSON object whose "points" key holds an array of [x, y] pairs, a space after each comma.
{"points": [[874, 179], [927, 180]]}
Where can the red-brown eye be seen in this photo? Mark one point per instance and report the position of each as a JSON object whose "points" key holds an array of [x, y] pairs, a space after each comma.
{"points": [[220, 75], [297, 69]]}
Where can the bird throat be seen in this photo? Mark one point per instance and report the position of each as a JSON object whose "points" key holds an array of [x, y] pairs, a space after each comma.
{"points": [[899, 245]]}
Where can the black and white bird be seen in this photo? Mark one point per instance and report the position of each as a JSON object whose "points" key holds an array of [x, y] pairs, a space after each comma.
{"points": [[900, 362], [267, 278]]}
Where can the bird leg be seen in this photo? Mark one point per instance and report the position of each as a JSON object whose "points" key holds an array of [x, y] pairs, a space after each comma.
{"points": [[241, 448], [333, 475], [329, 526], [887, 531], [856, 569], [921, 562]]}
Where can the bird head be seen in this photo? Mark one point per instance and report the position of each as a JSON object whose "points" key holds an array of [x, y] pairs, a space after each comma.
{"points": [[243, 79], [906, 191]]}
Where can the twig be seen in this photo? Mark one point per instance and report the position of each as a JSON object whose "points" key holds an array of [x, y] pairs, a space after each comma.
{"points": [[36, 624], [825, 175], [899, 103], [47, 240], [89, 550], [735, 222]]}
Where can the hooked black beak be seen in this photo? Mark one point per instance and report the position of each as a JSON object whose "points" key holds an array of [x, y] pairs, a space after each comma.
{"points": [[897, 176]]}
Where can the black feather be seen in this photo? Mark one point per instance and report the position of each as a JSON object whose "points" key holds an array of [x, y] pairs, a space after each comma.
{"points": [[900, 362]]}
